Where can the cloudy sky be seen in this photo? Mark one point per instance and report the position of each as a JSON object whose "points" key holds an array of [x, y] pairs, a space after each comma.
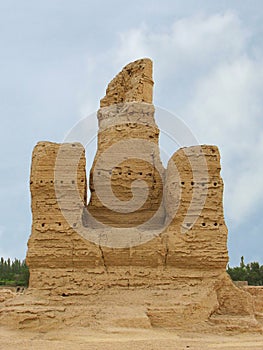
{"points": [[57, 57]]}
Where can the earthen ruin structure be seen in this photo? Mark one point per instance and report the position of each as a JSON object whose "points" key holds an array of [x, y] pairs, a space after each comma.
{"points": [[149, 247]]}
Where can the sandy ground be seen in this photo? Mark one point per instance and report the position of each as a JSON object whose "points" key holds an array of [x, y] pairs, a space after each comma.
{"points": [[117, 339], [76, 327]]}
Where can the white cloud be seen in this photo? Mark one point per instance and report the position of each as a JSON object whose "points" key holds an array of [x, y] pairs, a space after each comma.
{"points": [[198, 40]]}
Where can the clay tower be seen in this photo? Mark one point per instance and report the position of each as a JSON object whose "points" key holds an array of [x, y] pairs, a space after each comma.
{"points": [[127, 159]]}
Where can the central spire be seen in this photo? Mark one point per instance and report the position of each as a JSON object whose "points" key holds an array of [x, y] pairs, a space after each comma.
{"points": [[126, 179]]}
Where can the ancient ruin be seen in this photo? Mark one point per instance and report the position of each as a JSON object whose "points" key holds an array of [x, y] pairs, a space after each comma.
{"points": [[149, 247]]}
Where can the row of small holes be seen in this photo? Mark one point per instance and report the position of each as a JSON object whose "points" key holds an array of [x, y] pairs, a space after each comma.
{"points": [[129, 173], [203, 224], [73, 145], [192, 183], [59, 224], [188, 224], [51, 181], [43, 224]]}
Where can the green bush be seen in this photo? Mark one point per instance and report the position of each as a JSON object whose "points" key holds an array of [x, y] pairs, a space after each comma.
{"points": [[13, 273], [252, 273]]}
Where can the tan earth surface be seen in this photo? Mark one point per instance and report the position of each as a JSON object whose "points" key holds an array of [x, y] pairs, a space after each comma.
{"points": [[116, 319], [130, 339]]}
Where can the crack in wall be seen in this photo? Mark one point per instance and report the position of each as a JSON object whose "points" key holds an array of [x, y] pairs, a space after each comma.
{"points": [[72, 255], [166, 254], [103, 259]]}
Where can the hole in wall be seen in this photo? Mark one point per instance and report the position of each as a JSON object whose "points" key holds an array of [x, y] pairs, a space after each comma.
{"points": [[43, 225], [192, 183], [203, 223]]}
